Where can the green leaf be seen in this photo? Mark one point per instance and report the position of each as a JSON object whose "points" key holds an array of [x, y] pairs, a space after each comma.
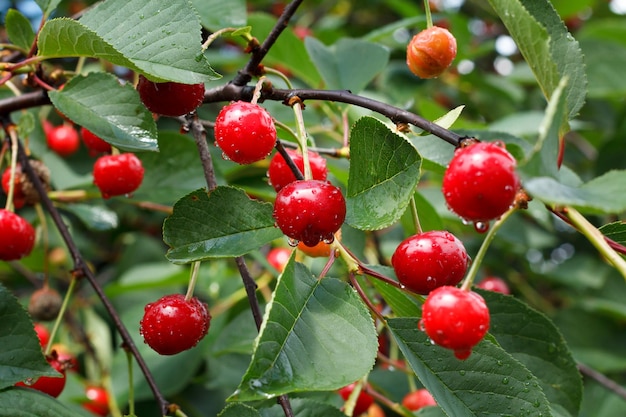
{"points": [[288, 51], [384, 171], [23, 402], [548, 48], [543, 160], [603, 194], [239, 410], [167, 178], [605, 60], [448, 119], [349, 64], [489, 382], [615, 231], [218, 14], [204, 225], [303, 407], [531, 338], [96, 217], [109, 110], [402, 304], [19, 29], [308, 338], [21, 356], [48, 6]]}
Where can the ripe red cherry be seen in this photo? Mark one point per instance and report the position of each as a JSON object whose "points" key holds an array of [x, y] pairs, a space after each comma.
{"points": [[52, 386], [170, 98], [429, 260], [63, 140], [280, 174], [172, 324], [117, 174], [17, 236], [455, 319], [94, 143], [278, 258], [19, 199], [418, 399], [310, 211], [363, 402], [480, 182], [42, 334], [495, 284], [245, 132], [430, 52], [97, 400]]}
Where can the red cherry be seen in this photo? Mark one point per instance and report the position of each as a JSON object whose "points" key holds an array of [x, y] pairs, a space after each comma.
{"points": [[94, 143], [172, 324], [170, 98], [363, 402], [43, 334], [63, 140], [117, 174], [429, 260], [97, 400], [418, 399], [495, 284], [52, 386], [310, 211], [480, 182], [455, 319], [245, 132], [19, 199], [430, 52], [278, 258], [17, 236], [280, 174]]}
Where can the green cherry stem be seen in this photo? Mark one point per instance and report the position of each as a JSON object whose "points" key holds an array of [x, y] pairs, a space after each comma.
{"points": [[302, 140], [193, 279], [596, 238], [59, 319], [468, 281], [9, 203], [416, 218], [279, 74], [429, 18], [131, 384]]}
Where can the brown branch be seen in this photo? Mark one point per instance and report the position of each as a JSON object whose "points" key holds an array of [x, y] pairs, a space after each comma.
{"points": [[603, 380]]}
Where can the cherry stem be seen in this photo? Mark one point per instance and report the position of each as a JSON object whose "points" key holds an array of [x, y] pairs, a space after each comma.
{"points": [[302, 139], [429, 17], [354, 396], [46, 241], [364, 297], [131, 385], [279, 74], [468, 281], [395, 407], [213, 36], [257, 90], [13, 135], [602, 379], [329, 264], [193, 279], [416, 217], [596, 238], [59, 319]]}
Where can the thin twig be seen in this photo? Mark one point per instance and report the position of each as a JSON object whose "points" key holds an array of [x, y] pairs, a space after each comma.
{"points": [[602, 379]]}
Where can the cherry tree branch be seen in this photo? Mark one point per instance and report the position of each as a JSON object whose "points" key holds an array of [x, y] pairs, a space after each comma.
{"points": [[81, 270]]}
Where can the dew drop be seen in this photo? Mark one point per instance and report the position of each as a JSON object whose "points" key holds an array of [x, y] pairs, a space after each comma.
{"points": [[225, 157], [462, 372], [421, 325], [505, 380], [293, 242], [329, 240], [481, 227]]}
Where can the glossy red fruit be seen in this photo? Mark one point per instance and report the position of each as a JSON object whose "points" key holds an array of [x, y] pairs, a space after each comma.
{"points": [[17, 236], [52, 386], [455, 319], [429, 260], [278, 258], [63, 140], [97, 400], [430, 52], [280, 174], [245, 132], [481, 182], [418, 399], [43, 334], [19, 199], [494, 284], [117, 174], [170, 98], [172, 324], [94, 143], [310, 211], [363, 402]]}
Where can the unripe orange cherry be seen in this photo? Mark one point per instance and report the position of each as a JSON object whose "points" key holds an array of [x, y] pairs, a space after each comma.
{"points": [[430, 52]]}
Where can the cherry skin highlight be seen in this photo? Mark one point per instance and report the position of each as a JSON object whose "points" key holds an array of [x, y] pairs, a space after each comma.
{"points": [[480, 183], [429, 260], [117, 174], [455, 319], [310, 211], [170, 98], [245, 132], [172, 324]]}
